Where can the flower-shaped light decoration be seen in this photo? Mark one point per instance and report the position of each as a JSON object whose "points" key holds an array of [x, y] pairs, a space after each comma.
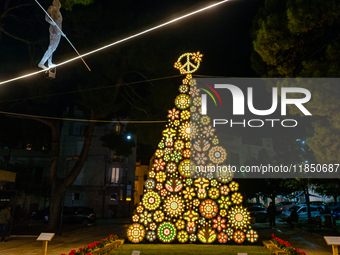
{"points": [[224, 202], [200, 158], [178, 65], [135, 218], [185, 131], [159, 153], [197, 57], [166, 232], [158, 216], [160, 176], [217, 154], [171, 167], [223, 212], [182, 236], [164, 192], [202, 221], [180, 224], [195, 116], [152, 174], [140, 209], [208, 208], [173, 114], [236, 198], [186, 153], [214, 193], [230, 233], [182, 101], [145, 218], [151, 200], [153, 226], [150, 184], [252, 236], [176, 156], [159, 164], [189, 181], [185, 81], [185, 115], [194, 91], [136, 233], [184, 168], [174, 185], [174, 206], [233, 186], [159, 186], [192, 238], [214, 183], [183, 88], [208, 131], [161, 145], [219, 223], [222, 238], [207, 235], [196, 202], [189, 193], [179, 145], [205, 120], [239, 236], [225, 175], [151, 236], [224, 190], [238, 217], [197, 101], [191, 227]]}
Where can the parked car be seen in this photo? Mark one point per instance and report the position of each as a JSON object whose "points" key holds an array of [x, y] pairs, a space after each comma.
{"points": [[258, 212], [331, 206], [320, 205], [335, 213], [302, 212], [256, 204], [284, 206], [77, 214]]}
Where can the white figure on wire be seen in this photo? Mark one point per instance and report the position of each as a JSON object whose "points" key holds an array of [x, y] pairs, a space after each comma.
{"points": [[55, 33]]}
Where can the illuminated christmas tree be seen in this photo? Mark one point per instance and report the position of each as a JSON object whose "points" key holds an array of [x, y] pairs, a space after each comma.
{"points": [[179, 202]]}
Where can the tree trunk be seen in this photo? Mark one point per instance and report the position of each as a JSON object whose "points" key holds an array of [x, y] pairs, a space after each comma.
{"points": [[306, 191]]}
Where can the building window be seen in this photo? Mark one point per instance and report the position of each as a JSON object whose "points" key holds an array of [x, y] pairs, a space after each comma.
{"points": [[116, 173], [114, 197], [75, 196]]}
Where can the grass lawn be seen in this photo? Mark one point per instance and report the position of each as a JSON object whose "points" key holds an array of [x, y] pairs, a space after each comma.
{"points": [[188, 249]]}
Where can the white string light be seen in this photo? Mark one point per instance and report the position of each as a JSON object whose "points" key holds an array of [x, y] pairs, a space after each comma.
{"points": [[117, 42]]}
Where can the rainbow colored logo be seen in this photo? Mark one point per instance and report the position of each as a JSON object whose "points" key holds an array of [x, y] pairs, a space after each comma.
{"points": [[210, 94]]}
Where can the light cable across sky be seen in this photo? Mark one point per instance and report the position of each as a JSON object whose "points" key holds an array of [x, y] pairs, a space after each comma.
{"points": [[119, 41]]}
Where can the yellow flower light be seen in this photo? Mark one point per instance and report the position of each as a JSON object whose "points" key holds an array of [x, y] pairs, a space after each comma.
{"points": [[238, 217], [233, 186], [236, 198], [160, 176], [136, 233]]}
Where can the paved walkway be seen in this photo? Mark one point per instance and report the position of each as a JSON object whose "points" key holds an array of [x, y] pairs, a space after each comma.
{"points": [[311, 243]]}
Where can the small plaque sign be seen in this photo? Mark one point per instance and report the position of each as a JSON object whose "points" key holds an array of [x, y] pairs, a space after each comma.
{"points": [[45, 237], [135, 253], [242, 253], [332, 240]]}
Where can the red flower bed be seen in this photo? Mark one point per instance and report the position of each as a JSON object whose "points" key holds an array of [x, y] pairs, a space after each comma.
{"points": [[285, 246], [92, 246]]}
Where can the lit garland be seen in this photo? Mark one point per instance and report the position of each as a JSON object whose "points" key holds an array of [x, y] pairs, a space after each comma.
{"points": [[151, 236]]}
